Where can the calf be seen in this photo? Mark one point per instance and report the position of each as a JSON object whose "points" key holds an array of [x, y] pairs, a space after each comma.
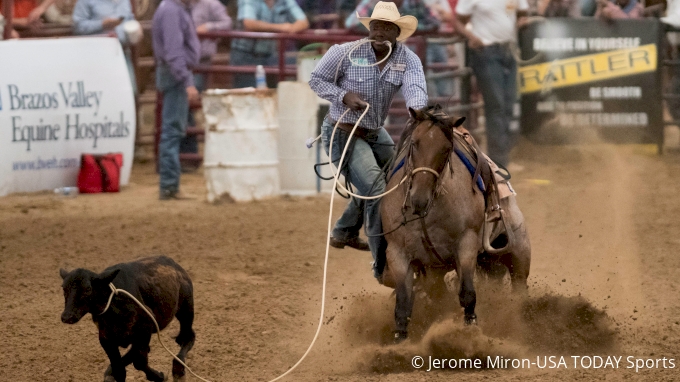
{"points": [[160, 284]]}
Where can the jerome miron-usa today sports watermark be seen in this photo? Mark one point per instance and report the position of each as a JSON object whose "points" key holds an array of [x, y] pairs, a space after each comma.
{"points": [[638, 364]]}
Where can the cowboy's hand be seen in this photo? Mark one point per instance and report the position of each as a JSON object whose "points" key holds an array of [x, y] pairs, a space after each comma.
{"points": [[354, 101]]}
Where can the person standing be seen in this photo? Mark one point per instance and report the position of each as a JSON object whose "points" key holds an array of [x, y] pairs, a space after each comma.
{"points": [[91, 17], [358, 84], [282, 16], [208, 15], [491, 36], [176, 50]]}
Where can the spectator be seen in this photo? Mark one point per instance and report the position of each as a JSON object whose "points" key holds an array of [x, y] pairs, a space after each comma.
{"points": [[283, 16], [619, 9], [27, 13], [438, 53], [491, 33], [417, 8], [91, 17], [559, 8], [321, 14], [176, 50], [208, 15]]}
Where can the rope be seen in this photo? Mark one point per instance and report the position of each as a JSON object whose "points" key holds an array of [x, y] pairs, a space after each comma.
{"points": [[114, 290], [325, 263]]}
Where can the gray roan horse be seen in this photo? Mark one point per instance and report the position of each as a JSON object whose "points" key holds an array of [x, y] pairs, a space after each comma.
{"points": [[434, 220]]}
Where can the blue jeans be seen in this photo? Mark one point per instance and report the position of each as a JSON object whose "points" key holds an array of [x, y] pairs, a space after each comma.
{"points": [[442, 87], [174, 126], [496, 72], [363, 168]]}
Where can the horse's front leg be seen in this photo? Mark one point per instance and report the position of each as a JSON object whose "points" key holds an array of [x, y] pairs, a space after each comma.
{"points": [[466, 265], [403, 276]]}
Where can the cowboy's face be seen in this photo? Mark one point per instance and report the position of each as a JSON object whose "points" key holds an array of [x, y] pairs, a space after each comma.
{"points": [[382, 31]]}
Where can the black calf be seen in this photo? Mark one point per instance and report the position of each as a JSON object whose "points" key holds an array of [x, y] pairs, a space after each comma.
{"points": [[160, 284]]}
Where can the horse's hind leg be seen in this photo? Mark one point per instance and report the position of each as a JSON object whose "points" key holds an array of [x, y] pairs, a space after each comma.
{"points": [[466, 265], [186, 337], [403, 276], [519, 261]]}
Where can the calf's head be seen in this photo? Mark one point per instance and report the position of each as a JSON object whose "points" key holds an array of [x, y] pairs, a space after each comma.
{"points": [[84, 292]]}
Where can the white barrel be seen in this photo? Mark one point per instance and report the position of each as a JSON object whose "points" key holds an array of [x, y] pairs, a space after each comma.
{"points": [[241, 144]]}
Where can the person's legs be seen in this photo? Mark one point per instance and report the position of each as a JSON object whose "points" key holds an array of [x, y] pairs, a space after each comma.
{"points": [[510, 99], [349, 224], [174, 114], [489, 71]]}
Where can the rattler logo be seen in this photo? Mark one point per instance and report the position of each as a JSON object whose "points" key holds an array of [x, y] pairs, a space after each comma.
{"points": [[588, 68]]}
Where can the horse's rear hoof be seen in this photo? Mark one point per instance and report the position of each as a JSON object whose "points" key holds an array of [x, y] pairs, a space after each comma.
{"points": [[179, 379], [400, 336], [471, 319], [109, 378]]}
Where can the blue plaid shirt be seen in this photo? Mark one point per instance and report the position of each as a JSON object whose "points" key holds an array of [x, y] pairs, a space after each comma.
{"points": [[284, 11], [402, 71]]}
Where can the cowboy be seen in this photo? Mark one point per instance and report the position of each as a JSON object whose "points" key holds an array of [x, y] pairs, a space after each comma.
{"points": [[348, 77]]}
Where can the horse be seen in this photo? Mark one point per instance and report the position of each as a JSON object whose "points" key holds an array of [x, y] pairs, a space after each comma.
{"points": [[439, 192]]}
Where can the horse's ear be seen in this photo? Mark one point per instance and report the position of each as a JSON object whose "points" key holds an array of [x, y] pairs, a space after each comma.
{"points": [[459, 122], [413, 113]]}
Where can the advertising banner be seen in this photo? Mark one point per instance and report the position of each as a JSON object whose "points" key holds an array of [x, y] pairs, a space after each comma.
{"points": [[60, 98], [593, 74]]}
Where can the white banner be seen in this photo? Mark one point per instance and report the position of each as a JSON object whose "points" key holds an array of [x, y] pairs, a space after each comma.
{"points": [[60, 98]]}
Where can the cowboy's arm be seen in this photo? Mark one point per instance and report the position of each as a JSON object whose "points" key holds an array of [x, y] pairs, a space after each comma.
{"points": [[464, 10], [413, 85], [323, 77], [522, 13]]}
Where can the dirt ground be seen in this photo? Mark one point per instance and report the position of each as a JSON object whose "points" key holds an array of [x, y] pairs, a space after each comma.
{"points": [[604, 280]]}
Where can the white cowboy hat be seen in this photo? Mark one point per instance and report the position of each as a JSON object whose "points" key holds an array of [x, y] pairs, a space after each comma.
{"points": [[387, 11]]}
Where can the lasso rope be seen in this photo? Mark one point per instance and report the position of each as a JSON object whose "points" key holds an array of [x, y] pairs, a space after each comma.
{"points": [[114, 291]]}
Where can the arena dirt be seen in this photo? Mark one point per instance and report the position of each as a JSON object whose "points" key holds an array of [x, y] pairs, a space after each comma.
{"points": [[603, 222]]}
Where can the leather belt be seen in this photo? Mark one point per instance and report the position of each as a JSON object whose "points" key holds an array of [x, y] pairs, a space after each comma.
{"points": [[360, 132]]}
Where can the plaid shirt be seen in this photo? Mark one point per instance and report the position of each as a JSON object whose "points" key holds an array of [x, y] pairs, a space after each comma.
{"points": [[402, 71], [284, 11]]}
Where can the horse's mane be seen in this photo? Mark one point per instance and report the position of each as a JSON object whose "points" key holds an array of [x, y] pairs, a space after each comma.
{"points": [[434, 113]]}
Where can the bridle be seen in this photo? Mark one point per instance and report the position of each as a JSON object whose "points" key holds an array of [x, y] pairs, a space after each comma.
{"points": [[427, 170]]}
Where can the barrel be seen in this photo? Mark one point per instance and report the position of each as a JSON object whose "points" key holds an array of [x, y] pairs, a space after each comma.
{"points": [[241, 144]]}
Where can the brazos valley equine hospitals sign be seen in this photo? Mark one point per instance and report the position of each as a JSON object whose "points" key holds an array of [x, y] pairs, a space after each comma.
{"points": [[593, 74], [60, 98]]}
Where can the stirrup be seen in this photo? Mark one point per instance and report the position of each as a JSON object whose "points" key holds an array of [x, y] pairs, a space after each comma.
{"points": [[488, 231]]}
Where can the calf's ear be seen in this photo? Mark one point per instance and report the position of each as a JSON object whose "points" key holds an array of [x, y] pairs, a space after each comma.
{"points": [[63, 273], [107, 276]]}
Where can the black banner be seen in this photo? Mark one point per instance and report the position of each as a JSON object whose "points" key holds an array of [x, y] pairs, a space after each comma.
{"points": [[592, 74]]}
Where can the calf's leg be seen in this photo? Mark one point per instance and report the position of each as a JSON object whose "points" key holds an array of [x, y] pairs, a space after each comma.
{"points": [[186, 337], [141, 358], [117, 367]]}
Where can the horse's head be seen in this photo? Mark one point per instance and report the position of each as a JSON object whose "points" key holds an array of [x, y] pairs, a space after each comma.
{"points": [[431, 146]]}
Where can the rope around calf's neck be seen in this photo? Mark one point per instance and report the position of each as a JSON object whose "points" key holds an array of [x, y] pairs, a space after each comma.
{"points": [[114, 291]]}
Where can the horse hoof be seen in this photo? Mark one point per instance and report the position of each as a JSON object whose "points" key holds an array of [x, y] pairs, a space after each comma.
{"points": [[179, 379], [109, 378], [400, 336], [471, 319]]}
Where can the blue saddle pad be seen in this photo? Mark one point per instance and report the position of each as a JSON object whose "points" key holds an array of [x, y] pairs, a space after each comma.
{"points": [[462, 157]]}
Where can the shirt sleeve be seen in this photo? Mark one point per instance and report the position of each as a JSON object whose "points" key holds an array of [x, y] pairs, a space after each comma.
{"points": [[414, 86], [465, 7], [219, 20], [173, 40], [294, 10], [246, 10], [323, 77], [82, 20]]}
